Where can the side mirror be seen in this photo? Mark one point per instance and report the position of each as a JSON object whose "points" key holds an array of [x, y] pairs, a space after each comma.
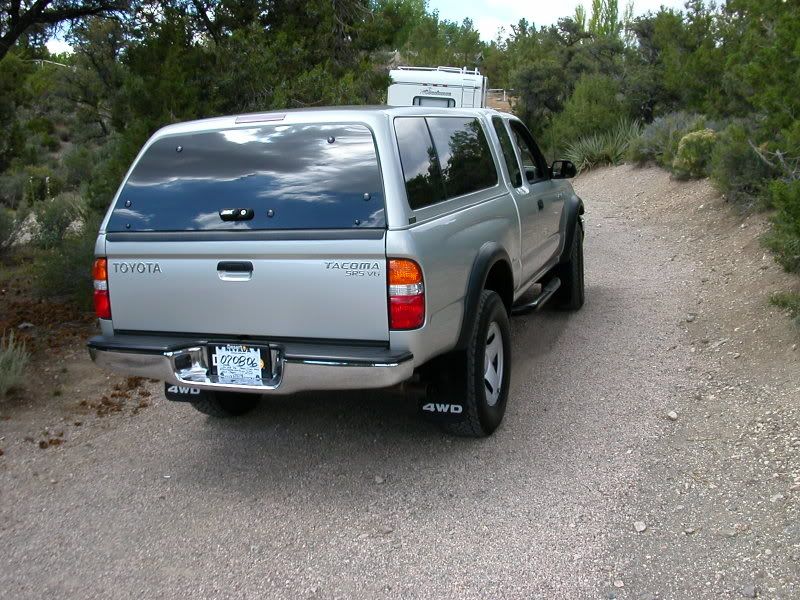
{"points": [[562, 169]]}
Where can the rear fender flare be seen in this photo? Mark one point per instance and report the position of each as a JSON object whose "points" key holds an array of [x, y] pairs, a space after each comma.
{"points": [[488, 256]]}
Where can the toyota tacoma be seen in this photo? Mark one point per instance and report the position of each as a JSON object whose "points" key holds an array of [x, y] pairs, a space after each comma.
{"points": [[334, 249]]}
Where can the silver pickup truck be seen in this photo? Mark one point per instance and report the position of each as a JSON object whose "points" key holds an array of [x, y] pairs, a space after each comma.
{"points": [[335, 249]]}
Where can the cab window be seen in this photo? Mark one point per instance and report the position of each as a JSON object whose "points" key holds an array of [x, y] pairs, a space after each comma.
{"points": [[533, 163], [464, 157]]}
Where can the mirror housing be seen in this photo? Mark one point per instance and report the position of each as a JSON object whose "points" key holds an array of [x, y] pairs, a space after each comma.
{"points": [[562, 169]]}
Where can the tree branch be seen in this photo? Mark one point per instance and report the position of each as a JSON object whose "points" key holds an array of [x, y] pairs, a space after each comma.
{"points": [[39, 14], [211, 28]]}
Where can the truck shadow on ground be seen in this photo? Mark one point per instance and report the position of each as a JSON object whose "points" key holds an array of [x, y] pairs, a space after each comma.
{"points": [[348, 438]]}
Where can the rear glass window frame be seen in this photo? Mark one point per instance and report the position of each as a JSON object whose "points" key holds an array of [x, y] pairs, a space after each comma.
{"points": [[118, 201], [447, 197]]}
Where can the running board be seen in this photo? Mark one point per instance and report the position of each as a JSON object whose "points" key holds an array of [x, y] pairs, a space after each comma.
{"points": [[540, 300]]}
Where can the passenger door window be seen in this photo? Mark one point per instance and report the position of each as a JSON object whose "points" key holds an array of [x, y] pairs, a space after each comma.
{"points": [[533, 163]]}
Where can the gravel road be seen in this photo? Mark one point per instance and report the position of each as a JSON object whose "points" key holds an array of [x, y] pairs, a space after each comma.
{"points": [[352, 496]]}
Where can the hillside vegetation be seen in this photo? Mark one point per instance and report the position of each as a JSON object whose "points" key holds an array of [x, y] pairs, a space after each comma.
{"points": [[707, 91]]}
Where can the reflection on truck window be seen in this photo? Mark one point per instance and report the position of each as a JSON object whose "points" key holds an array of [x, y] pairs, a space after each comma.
{"points": [[431, 101], [456, 163], [299, 176], [464, 155], [418, 159]]}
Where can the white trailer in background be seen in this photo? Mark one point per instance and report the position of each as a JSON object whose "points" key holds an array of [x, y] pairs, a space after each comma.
{"points": [[437, 86]]}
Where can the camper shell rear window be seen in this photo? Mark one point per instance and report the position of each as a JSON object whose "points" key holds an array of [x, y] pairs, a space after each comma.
{"points": [[299, 176]]}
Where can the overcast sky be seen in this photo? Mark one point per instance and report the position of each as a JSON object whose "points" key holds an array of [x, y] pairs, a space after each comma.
{"points": [[488, 15]]}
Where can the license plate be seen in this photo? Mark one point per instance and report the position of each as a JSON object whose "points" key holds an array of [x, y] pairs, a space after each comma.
{"points": [[235, 363]]}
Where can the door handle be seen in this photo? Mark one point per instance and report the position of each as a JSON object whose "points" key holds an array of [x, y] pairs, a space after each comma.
{"points": [[235, 266], [540, 203], [235, 270]]}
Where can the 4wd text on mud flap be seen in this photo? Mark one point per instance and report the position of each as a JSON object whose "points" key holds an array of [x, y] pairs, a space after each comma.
{"points": [[443, 408], [179, 389]]}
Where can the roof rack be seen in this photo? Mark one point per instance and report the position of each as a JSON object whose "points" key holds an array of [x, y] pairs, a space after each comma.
{"points": [[462, 70]]}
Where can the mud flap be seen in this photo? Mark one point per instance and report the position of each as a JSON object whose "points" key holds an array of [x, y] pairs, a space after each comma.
{"points": [[183, 393]]}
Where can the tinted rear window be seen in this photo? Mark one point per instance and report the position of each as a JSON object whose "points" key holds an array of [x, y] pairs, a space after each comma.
{"points": [[418, 159], [291, 176], [443, 157]]}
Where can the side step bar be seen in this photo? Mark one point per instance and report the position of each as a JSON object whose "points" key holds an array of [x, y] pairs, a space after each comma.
{"points": [[547, 292]]}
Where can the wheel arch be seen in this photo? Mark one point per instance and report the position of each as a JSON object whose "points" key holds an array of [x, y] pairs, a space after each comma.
{"points": [[573, 209], [491, 270]]}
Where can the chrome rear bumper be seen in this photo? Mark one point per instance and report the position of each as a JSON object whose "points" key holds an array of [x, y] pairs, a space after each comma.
{"points": [[294, 369]]}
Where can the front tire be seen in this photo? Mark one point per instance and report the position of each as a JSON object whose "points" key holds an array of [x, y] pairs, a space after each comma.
{"points": [[570, 296], [482, 374], [222, 405]]}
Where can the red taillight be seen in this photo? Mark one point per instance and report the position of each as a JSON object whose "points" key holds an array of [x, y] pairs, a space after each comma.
{"points": [[102, 304], [102, 301], [406, 294]]}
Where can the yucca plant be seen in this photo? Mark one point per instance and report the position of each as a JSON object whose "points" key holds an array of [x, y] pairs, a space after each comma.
{"points": [[607, 148], [13, 360]]}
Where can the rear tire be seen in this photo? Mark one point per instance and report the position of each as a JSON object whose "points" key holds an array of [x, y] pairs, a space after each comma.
{"points": [[479, 377], [222, 405], [570, 296]]}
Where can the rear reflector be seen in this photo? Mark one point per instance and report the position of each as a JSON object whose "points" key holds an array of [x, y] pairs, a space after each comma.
{"points": [[102, 304], [406, 294], [102, 301]]}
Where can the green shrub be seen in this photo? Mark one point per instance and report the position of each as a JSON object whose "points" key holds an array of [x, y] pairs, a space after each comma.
{"points": [[789, 301], [693, 157], [12, 188], [608, 148], [79, 164], [7, 226], [55, 217], [42, 183], [784, 238], [659, 140], [592, 109], [13, 360], [41, 125], [51, 142], [66, 271], [736, 169]]}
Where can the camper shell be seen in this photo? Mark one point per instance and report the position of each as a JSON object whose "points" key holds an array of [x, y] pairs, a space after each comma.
{"points": [[445, 87]]}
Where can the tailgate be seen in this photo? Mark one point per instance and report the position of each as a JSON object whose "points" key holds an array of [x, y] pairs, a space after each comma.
{"points": [[324, 289], [264, 230]]}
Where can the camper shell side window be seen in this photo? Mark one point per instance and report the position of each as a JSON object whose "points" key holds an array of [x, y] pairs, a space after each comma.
{"points": [[433, 101]]}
